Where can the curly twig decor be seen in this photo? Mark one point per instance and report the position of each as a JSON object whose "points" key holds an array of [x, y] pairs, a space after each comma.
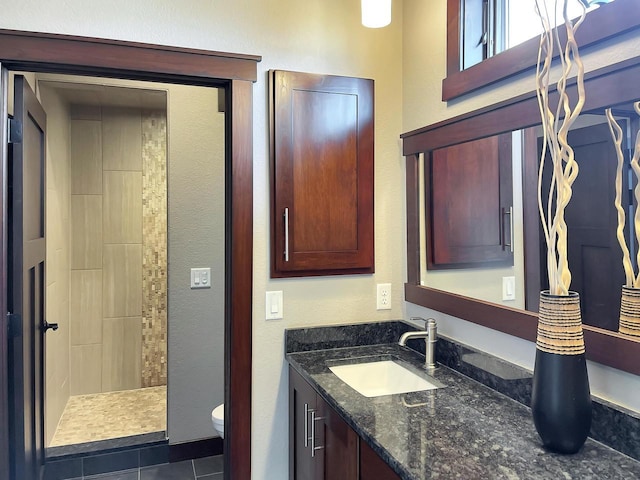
{"points": [[556, 123], [632, 279]]}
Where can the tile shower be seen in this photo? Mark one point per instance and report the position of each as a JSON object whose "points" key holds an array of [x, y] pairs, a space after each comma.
{"points": [[117, 275]]}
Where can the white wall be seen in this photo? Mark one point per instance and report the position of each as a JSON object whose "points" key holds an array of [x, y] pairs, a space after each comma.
{"points": [[424, 67], [196, 239]]}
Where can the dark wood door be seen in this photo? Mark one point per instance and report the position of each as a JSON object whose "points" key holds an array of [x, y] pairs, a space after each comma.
{"points": [[322, 174], [302, 403], [594, 254], [469, 204], [26, 283]]}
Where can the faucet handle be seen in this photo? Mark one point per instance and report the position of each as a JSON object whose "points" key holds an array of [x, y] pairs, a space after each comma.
{"points": [[416, 319]]}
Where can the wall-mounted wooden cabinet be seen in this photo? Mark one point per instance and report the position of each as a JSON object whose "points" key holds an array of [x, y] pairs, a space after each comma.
{"points": [[322, 148]]}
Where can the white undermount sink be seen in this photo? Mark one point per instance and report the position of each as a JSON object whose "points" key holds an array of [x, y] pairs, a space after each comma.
{"points": [[374, 379]]}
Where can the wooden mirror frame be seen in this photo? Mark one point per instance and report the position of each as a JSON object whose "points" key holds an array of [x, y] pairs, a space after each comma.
{"points": [[599, 25], [40, 52], [604, 87]]}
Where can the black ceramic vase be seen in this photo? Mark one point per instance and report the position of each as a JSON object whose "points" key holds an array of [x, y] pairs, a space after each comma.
{"points": [[560, 397]]}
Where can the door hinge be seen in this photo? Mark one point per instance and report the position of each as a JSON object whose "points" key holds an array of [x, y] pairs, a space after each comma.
{"points": [[14, 325], [15, 131]]}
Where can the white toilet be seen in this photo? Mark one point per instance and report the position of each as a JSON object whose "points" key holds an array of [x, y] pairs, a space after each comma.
{"points": [[217, 417]]}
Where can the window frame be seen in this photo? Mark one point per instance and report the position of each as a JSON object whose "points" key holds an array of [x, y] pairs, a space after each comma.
{"points": [[602, 24]]}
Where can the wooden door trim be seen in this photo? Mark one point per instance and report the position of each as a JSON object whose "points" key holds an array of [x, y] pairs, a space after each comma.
{"points": [[4, 330], [43, 52]]}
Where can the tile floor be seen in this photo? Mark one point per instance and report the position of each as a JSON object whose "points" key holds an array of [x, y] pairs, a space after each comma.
{"points": [[208, 468], [100, 416]]}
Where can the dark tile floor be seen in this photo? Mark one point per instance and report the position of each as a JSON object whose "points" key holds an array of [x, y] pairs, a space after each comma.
{"points": [[208, 468]]}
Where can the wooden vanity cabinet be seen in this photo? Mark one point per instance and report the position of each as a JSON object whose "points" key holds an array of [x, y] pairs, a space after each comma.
{"points": [[322, 445]]}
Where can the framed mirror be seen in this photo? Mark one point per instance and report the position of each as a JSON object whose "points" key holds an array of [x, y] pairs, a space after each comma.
{"points": [[458, 292]]}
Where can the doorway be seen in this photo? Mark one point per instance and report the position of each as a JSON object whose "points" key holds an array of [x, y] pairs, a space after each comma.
{"points": [[27, 51]]}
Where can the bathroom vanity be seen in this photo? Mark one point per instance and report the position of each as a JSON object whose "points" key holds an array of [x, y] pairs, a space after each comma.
{"points": [[463, 429]]}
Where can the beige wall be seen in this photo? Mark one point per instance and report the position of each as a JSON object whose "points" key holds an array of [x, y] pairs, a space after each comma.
{"points": [[57, 383]]}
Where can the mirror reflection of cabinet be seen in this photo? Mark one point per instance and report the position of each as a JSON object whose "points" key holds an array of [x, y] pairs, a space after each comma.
{"points": [[469, 204]]}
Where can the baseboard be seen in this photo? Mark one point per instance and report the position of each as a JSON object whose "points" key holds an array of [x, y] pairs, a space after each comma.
{"points": [[119, 456], [196, 449]]}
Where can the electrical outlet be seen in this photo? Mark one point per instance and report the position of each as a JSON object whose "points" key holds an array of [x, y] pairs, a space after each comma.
{"points": [[383, 300]]}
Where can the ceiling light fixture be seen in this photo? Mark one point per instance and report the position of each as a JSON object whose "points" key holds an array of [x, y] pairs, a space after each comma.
{"points": [[376, 13]]}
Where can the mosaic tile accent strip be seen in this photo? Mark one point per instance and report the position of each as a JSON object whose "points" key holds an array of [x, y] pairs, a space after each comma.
{"points": [[100, 416], [154, 248]]}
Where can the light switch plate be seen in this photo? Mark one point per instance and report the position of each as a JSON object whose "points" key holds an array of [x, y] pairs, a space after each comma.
{"points": [[200, 278], [273, 305], [508, 288]]}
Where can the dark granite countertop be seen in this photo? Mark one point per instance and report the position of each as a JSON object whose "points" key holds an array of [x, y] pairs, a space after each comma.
{"points": [[464, 430]]}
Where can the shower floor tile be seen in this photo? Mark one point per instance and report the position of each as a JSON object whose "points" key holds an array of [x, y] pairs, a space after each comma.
{"points": [[100, 416]]}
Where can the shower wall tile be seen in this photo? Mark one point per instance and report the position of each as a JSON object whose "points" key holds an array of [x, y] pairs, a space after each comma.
{"points": [[86, 369], [122, 205], [121, 139], [86, 307], [86, 157], [121, 354], [154, 248], [53, 235], [86, 231], [122, 281]]}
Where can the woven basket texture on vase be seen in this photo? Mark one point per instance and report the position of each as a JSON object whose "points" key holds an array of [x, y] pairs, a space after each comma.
{"points": [[560, 324], [630, 311]]}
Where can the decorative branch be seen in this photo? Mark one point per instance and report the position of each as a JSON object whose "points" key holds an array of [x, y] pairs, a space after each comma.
{"points": [[555, 128], [632, 279]]}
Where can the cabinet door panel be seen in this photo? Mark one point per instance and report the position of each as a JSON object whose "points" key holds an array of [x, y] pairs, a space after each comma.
{"points": [[372, 467], [469, 204], [322, 174], [340, 445], [302, 398]]}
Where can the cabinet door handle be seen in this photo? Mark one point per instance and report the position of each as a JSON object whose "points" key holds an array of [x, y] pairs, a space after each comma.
{"points": [[314, 419], [286, 234], [504, 241], [307, 410]]}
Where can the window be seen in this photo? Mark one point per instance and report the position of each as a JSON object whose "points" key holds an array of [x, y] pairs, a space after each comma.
{"points": [[492, 26], [481, 50]]}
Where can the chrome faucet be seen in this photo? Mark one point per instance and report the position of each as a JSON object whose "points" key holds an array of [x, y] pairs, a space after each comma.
{"points": [[430, 335]]}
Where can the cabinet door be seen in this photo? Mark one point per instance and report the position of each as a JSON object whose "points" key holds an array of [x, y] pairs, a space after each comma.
{"points": [[469, 204], [372, 467], [322, 144], [339, 444], [302, 403]]}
